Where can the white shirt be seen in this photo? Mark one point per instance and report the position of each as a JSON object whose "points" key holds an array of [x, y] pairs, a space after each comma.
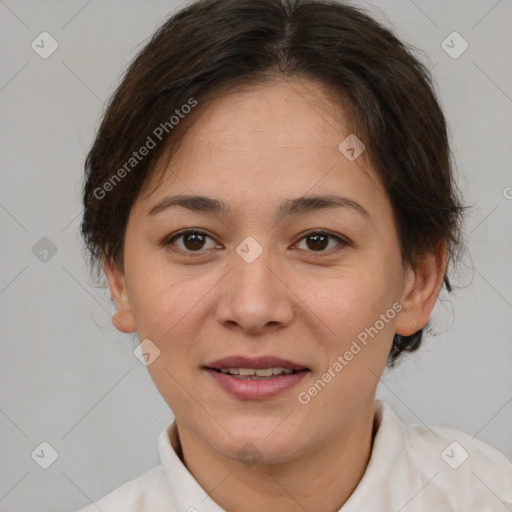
{"points": [[412, 468]]}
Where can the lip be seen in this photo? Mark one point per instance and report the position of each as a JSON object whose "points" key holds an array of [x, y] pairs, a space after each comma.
{"points": [[256, 389]]}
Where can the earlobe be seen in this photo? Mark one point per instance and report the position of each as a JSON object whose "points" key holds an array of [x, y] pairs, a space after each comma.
{"points": [[123, 318], [422, 286]]}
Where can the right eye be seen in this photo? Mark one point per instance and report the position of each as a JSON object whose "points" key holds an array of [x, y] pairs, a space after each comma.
{"points": [[191, 241]]}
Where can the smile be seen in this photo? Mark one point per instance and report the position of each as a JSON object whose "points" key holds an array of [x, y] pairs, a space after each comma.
{"points": [[254, 386], [256, 373]]}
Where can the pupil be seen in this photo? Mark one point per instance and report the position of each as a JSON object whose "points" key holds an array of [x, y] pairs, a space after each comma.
{"points": [[319, 241], [197, 241]]}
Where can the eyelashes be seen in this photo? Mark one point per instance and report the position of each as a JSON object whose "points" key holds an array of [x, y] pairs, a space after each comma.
{"points": [[193, 241]]}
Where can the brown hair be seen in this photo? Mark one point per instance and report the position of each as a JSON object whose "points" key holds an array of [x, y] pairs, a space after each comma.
{"points": [[215, 44]]}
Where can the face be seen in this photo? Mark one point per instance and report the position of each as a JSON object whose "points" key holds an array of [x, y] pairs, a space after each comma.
{"points": [[259, 280]]}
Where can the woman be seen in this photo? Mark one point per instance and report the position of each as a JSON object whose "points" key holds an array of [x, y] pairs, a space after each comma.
{"points": [[271, 199]]}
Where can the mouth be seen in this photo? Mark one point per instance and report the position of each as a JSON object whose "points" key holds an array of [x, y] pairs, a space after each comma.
{"points": [[256, 377], [256, 374]]}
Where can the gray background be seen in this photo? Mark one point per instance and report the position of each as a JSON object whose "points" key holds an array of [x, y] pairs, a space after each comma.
{"points": [[69, 378]]}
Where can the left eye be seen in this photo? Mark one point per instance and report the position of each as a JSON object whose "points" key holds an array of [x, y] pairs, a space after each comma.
{"points": [[318, 240], [194, 241]]}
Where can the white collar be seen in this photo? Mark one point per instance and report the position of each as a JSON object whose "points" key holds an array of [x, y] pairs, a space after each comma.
{"points": [[184, 488]]}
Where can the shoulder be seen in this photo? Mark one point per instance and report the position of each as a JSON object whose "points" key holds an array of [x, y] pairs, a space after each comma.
{"points": [[467, 471], [146, 492], [456, 449]]}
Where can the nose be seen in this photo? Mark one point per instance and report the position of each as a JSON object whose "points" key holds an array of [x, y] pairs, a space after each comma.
{"points": [[255, 295]]}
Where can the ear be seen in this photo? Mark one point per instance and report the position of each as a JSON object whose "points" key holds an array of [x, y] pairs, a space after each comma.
{"points": [[123, 318], [422, 287]]}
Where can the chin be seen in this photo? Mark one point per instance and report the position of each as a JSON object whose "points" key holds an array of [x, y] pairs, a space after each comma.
{"points": [[260, 444]]}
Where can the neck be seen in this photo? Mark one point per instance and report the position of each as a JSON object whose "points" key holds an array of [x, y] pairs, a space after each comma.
{"points": [[322, 479]]}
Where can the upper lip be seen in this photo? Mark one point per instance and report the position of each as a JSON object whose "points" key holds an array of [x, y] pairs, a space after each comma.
{"points": [[254, 363]]}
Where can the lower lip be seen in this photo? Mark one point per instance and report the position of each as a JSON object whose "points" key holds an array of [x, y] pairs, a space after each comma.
{"points": [[257, 389]]}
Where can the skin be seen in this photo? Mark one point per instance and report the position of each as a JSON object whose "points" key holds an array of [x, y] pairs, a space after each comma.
{"points": [[254, 148]]}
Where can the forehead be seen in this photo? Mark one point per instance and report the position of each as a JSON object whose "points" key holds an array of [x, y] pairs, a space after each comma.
{"points": [[264, 143], [274, 117]]}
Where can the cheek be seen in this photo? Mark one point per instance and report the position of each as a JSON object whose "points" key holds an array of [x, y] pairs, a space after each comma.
{"points": [[358, 318], [168, 306], [348, 301]]}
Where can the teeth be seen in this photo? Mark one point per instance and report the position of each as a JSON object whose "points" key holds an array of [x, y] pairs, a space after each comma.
{"points": [[267, 372], [260, 372]]}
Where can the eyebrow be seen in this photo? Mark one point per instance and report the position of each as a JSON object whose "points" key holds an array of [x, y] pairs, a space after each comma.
{"points": [[299, 206]]}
